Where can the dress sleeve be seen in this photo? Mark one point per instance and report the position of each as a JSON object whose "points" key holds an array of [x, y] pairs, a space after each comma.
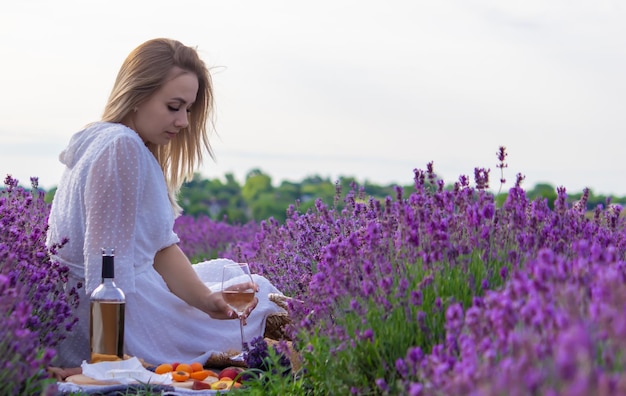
{"points": [[112, 190]]}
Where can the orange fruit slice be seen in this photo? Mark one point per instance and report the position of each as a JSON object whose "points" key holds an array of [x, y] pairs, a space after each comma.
{"points": [[180, 376], [200, 375]]}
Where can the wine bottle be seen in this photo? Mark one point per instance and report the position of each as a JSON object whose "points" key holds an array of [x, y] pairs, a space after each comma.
{"points": [[106, 320]]}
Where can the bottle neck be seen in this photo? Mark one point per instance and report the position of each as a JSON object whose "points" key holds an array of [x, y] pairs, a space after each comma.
{"points": [[108, 268], [108, 281]]}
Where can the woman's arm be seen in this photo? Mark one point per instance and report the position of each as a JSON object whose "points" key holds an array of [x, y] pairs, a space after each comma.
{"points": [[182, 280]]}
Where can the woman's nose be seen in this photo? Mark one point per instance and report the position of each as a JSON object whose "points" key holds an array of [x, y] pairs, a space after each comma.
{"points": [[182, 119]]}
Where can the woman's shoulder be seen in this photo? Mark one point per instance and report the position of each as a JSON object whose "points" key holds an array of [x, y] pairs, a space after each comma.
{"points": [[110, 135], [99, 137], [113, 130]]}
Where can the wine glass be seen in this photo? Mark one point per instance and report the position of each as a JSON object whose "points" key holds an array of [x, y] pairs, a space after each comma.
{"points": [[238, 290]]}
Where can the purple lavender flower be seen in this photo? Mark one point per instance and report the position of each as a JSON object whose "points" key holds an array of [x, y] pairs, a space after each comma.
{"points": [[258, 356], [382, 384], [35, 307]]}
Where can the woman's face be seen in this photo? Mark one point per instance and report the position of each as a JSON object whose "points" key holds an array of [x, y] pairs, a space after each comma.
{"points": [[159, 119]]}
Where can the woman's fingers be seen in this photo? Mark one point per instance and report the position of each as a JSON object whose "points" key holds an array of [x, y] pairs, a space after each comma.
{"points": [[60, 374], [249, 310], [243, 286], [220, 310], [57, 373]]}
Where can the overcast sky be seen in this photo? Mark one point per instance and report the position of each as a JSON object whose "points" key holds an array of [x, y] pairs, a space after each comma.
{"points": [[368, 89]]}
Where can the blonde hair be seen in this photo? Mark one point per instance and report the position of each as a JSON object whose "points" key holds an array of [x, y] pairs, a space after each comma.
{"points": [[143, 72]]}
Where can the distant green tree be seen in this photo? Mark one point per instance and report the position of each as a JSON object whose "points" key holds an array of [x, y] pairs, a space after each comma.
{"points": [[381, 191], [256, 184], [195, 196], [315, 187], [288, 192], [266, 205], [543, 190]]}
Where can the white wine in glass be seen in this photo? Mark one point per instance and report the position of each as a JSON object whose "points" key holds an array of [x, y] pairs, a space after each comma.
{"points": [[238, 290]]}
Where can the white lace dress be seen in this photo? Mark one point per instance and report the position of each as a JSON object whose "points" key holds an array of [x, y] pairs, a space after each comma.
{"points": [[113, 194]]}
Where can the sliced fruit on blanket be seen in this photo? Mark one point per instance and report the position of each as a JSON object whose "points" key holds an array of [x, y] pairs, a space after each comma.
{"points": [[180, 376], [202, 374], [198, 385], [222, 385]]}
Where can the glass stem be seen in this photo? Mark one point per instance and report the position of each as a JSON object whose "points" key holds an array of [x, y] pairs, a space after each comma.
{"points": [[243, 344]]}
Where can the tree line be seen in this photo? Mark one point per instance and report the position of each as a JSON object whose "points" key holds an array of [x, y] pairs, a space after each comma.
{"points": [[259, 199]]}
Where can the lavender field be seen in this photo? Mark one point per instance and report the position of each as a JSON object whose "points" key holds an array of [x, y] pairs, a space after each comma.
{"points": [[440, 292]]}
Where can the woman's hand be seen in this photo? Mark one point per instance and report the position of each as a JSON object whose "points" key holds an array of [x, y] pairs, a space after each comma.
{"points": [[60, 374], [251, 306]]}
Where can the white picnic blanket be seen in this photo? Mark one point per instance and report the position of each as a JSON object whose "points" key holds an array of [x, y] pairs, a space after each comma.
{"points": [[121, 374]]}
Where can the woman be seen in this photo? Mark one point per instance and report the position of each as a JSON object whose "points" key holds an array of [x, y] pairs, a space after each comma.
{"points": [[119, 190]]}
